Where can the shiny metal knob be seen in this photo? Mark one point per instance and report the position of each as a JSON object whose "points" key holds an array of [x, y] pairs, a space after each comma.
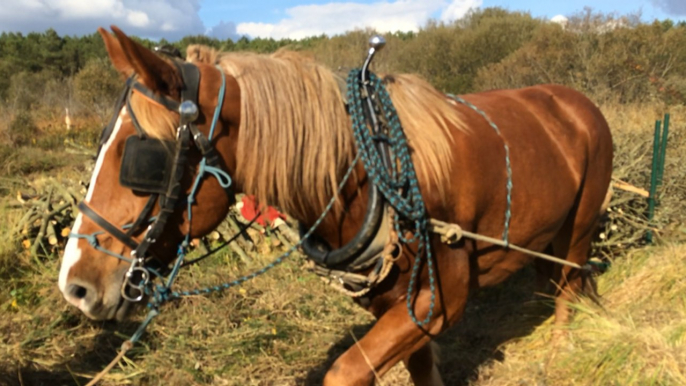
{"points": [[188, 111], [377, 42]]}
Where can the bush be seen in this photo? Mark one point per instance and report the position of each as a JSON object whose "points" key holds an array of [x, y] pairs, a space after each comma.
{"points": [[22, 129], [26, 89], [96, 87], [644, 63], [449, 55]]}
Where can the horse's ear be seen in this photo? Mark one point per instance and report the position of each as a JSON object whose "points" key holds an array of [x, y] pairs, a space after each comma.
{"points": [[119, 59], [152, 70]]}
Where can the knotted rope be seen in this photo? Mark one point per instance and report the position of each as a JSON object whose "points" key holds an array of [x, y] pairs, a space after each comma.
{"points": [[399, 186]]}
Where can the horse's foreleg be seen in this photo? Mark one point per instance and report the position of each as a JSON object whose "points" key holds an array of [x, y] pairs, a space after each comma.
{"points": [[422, 365], [394, 337]]}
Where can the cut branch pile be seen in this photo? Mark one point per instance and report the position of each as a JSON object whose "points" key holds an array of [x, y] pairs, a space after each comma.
{"points": [[48, 215], [50, 208]]}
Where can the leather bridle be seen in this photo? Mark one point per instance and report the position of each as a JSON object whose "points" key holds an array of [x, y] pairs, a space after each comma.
{"points": [[165, 190]]}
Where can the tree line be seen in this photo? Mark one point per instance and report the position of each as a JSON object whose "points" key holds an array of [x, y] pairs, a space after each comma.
{"points": [[610, 58]]}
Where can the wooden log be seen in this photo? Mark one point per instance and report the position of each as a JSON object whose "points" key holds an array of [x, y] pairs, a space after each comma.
{"points": [[201, 245], [244, 240], [225, 231], [284, 241], [25, 198], [25, 219], [618, 184], [291, 234], [227, 234], [50, 234], [240, 252], [44, 227], [67, 195]]}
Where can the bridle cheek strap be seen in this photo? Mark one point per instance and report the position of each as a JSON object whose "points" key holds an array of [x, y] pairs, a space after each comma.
{"points": [[141, 259], [107, 226]]}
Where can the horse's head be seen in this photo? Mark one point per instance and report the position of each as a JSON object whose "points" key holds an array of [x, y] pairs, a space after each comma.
{"points": [[135, 212]]}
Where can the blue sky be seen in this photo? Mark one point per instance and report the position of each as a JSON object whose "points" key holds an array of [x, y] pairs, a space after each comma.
{"points": [[173, 19], [271, 11]]}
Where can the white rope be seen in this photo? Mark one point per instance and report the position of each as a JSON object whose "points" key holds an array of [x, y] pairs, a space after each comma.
{"points": [[452, 233]]}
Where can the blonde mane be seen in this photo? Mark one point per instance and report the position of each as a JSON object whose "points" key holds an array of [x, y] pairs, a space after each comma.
{"points": [[296, 139]]}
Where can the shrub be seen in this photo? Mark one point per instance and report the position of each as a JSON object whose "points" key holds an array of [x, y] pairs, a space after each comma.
{"points": [[22, 129], [96, 87]]}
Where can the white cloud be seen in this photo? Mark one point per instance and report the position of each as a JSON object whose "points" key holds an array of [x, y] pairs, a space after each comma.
{"points": [[336, 18], [672, 7], [174, 19], [458, 8], [171, 19], [223, 30]]}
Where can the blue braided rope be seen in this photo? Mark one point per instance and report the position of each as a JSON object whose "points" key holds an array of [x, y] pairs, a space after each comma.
{"points": [[220, 102], [400, 187], [508, 185], [93, 241], [141, 329]]}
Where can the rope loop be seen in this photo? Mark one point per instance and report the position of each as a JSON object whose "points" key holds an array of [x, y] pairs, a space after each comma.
{"points": [[400, 185]]}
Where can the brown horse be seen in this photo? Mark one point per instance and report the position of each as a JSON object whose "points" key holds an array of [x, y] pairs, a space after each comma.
{"points": [[283, 135]]}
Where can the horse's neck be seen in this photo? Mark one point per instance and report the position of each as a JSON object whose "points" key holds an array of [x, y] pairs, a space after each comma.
{"points": [[340, 224]]}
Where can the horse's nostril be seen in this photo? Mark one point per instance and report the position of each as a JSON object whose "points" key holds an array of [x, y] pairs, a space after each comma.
{"points": [[78, 292]]}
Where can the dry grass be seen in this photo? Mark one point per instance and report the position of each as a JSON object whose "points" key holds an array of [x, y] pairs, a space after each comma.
{"points": [[287, 327], [637, 340]]}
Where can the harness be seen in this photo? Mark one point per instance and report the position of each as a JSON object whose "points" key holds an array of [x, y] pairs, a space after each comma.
{"points": [[156, 167], [395, 204]]}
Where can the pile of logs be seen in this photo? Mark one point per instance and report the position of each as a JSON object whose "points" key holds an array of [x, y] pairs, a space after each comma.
{"points": [[255, 239], [49, 213], [49, 209], [50, 206]]}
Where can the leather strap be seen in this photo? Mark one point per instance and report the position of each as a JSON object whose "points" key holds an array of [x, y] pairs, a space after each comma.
{"points": [[191, 79], [161, 99], [167, 206], [118, 104], [107, 226], [143, 217], [206, 149]]}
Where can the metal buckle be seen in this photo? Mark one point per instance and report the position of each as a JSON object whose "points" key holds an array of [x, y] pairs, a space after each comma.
{"points": [[138, 273]]}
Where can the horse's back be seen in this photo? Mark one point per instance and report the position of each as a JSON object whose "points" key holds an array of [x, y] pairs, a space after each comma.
{"points": [[560, 149], [552, 118]]}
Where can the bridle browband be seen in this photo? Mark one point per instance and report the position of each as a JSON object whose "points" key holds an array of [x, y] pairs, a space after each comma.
{"points": [[142, 173]]}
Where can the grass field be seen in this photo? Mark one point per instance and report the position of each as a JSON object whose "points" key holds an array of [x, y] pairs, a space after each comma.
{"points": [[286, 328]]}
